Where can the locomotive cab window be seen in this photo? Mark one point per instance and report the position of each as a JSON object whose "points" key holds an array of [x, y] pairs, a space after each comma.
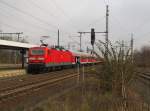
{"points": [[37, 52]]}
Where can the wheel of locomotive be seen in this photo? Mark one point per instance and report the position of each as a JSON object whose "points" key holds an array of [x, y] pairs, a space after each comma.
{"points": [[49, 69], [41, 70], [61, 67], [72, 66], [29, 70]]}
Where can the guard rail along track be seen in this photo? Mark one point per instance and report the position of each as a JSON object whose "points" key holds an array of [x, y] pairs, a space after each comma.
{"points": [[6, 93]]}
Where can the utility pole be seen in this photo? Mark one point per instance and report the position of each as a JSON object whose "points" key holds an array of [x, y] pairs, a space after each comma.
{"points": [[132, 42], [107, 28], [16, 53], [106, 32], [123, 49], [87, 49], [19, 35], [58, 39], [80, 40]]}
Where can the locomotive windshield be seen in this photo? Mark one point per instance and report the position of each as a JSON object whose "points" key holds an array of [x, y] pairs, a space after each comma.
{"points": [[37, 52]]}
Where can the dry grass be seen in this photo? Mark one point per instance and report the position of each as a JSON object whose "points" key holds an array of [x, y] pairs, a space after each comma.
{"points": [[88, 97], [84, 98]]}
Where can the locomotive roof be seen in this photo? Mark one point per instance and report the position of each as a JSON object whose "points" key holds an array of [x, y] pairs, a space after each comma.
{"points": [[75, 53]]}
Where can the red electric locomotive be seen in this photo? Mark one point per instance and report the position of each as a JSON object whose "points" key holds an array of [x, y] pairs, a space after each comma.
{"points": [[44, 58]]}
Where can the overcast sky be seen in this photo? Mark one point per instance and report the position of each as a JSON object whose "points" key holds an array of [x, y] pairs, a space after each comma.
{"points": [[36, 18]]}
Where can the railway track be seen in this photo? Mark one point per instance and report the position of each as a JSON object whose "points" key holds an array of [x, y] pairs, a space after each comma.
{"points": [[13, 82], [6, 93], [144, 75], [34, 83]]}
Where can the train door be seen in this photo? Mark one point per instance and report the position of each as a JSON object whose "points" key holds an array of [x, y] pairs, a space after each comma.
{"points": [[77, 60]]}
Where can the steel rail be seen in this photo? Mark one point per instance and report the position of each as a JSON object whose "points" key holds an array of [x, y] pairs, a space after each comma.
{"points": [[36, 79], [144, 75], [18, 89], [10, 93]]}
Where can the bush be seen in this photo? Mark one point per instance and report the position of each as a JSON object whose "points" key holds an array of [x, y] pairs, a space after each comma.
{"points": [[118, 68]]}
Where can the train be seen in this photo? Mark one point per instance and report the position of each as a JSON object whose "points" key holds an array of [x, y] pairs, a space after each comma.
{"points": [[43, 58]]}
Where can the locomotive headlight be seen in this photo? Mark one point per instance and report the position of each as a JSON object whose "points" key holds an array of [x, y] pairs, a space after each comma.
{"points": [[40, 58], [32, 58]]}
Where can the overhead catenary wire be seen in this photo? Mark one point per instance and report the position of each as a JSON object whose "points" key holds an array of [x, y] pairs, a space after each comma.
{"points": [[47, 12], [18, 28], [8, 15], [105, 2], [141, 26], [145, 34], [94, 22], [42, 9], [115, 20], [14, 27], [58, 7], [28, 14], [63, 12]]}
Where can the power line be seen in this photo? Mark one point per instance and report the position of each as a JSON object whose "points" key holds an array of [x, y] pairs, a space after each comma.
{"points": [[95, 21], [14, 27], [57, 6], [23, 21], [119, 23], [63, 12], [144, 34], [108, 3], [45, 11], [10, 26], [42, 9], [26, 13], [105, 2], [141, 26]]}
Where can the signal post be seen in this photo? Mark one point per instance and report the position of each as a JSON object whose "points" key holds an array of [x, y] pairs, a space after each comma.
{"points": [[92, 37]]}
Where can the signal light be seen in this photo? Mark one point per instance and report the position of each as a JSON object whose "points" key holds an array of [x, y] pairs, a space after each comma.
{"points": [[92, 36]]}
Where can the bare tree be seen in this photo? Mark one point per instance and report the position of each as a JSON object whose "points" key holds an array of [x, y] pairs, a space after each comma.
{"points": [[117, 70]]}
